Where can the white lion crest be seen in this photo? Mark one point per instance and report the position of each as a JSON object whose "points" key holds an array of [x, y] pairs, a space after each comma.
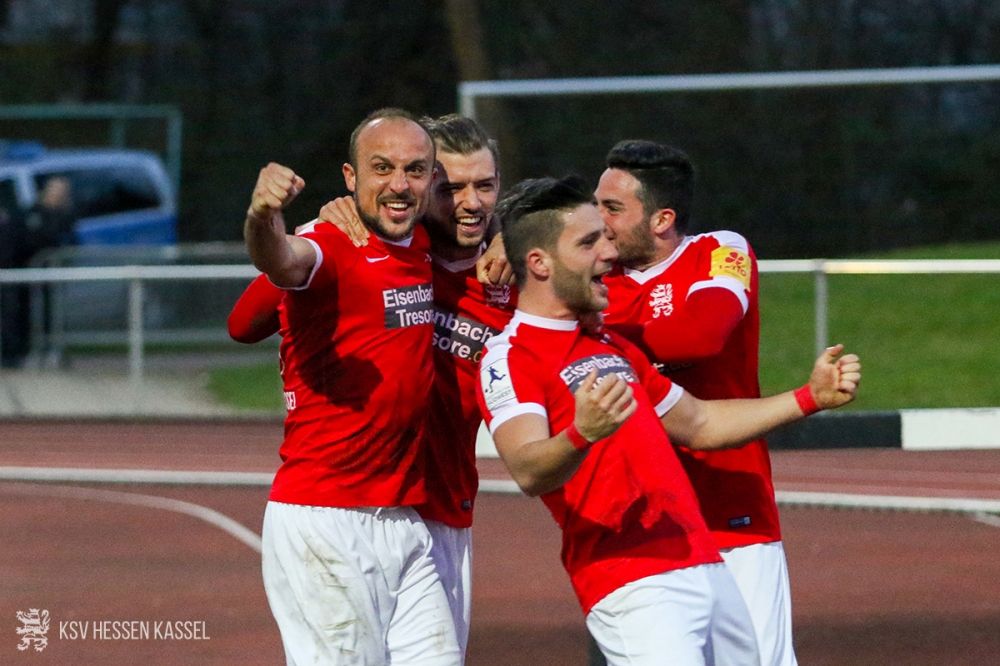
{"points": [[36, 625], [661, 299]]}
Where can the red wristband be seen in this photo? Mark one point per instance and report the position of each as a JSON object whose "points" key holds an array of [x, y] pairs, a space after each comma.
{"points": [[578, 441], [807, 403]]}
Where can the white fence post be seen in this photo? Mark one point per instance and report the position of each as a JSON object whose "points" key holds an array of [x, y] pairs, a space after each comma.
{"points": [[821, 307], [135, 337]]}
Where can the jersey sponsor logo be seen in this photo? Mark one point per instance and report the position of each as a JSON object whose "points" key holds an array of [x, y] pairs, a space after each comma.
{"points": [[408, 306], [498, 389], [605, 364], [497, 296], [742, 521], [730, 262], [460, 336], [661, 300]]}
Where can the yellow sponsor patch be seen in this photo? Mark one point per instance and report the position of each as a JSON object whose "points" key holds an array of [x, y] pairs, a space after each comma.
{"points": [[730, 262]]}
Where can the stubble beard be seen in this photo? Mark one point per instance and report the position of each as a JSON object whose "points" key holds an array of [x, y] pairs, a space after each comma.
{"points": [[638, 249], [378, 227], [574, 293]]}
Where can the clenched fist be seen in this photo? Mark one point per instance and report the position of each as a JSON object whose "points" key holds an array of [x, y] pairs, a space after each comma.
{"points": [[276, 187]]}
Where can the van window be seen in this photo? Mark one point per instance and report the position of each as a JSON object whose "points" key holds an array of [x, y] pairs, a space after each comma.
{"points": [[109, 190]]}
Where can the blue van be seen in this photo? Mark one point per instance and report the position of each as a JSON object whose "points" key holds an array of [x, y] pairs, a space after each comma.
{"points": [[77, 207], [119, 197]]}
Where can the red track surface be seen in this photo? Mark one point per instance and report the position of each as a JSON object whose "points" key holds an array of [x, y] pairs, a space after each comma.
{"points": [[869, 587]]}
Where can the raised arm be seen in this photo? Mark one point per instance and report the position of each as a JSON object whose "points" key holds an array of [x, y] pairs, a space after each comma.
{"points": [[540, 463], [719, 424], [697, 332], [287, 260]]}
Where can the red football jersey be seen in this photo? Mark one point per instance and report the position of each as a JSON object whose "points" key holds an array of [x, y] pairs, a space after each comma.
{"points": [[629, 510], [734, 487], [356, 362], [466, 315]]}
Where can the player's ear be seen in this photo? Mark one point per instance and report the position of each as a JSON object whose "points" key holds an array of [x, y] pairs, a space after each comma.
{"points": [[539, 263], [662, 221], [350, 176]]}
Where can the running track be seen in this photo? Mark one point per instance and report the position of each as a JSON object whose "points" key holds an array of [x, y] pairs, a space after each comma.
{"points": [[869, 587]]}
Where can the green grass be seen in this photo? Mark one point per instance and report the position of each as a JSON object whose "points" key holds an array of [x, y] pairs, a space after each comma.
{"points": [[925, 341], [250, 387]]}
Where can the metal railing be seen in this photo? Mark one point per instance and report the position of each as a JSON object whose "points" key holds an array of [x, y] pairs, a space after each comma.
{"points": [[137, 276], [821, 268]]}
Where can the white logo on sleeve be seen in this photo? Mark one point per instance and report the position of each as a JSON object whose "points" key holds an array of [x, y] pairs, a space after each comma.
{"points": [[498, 390]]}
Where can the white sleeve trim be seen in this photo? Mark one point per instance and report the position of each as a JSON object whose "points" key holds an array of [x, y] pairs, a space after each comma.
{"points": [[724, 282], [312, 273], [673, 397], [517, 409]]}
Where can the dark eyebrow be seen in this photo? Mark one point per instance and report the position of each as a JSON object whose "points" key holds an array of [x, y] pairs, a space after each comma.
{"points": [[592, 236]]}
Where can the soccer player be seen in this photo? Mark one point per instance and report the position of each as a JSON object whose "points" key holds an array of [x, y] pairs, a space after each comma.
{"points": [[583, 421], [690, 303], [466, 315], [346, 559]]}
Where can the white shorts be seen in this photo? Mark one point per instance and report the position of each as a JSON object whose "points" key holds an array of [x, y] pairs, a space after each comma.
{"points": [[355, 586], [761, 573], [688, 617], [451, 550]]}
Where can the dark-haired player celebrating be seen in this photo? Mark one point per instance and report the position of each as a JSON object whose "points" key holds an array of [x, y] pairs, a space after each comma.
{"points": [[583, 420], [690, 303]]}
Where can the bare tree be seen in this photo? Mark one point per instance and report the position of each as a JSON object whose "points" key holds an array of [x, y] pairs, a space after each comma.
{"points": [[98, 56], [473, 65]]}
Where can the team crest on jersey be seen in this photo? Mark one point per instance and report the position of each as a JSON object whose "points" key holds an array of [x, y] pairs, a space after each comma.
{"points": [[497, 295], [498, 389], [661, 300], [730, 262]]}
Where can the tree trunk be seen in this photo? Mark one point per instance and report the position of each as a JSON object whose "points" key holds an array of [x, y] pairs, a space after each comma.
{"points": [[473, 65]]}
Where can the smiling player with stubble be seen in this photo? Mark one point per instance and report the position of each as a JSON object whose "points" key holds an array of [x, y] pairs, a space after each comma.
{"points": [[346, 559]]}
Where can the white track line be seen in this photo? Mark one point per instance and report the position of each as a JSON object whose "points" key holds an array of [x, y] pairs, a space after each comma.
{"points": [[987, 519], [844, 500], [135, 476], [227, 524], [503, 486]]}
